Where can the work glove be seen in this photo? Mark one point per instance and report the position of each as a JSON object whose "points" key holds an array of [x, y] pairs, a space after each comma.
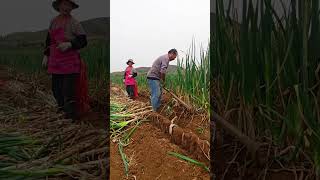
{"points": [[45, 61], [64, 46]]}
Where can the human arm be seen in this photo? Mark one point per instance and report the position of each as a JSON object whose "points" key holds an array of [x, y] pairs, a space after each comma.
{"points": [[80, 38], [124, 77], [46, 52], [134, 73], [163, 70]]}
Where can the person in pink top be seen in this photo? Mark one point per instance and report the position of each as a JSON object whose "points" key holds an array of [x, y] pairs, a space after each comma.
{"points": [[129, 80], [62, 59]]}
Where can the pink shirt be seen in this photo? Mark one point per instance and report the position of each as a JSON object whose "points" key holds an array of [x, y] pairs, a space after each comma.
{"points": [[129, 80]]}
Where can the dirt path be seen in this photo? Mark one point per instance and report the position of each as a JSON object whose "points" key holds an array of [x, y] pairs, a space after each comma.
{"points": [[148, 154]]}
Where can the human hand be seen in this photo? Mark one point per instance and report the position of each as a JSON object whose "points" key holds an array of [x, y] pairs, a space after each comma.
{"points": [[130, 76], [64, 46]]}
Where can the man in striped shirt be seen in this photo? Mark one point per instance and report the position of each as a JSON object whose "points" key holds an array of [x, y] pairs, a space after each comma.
{"points": [[156, 76]]}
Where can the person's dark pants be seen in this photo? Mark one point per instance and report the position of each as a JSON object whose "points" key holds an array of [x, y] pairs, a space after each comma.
{"points": [[64, 91], [130, 90]]}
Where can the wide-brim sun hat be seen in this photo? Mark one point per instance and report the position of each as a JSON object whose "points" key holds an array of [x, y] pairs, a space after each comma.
{"points": [[55, 4], [130, 60]]}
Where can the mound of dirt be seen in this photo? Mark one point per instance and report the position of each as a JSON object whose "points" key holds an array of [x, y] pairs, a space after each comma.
{"points": [[149, 159], [151, 142]]}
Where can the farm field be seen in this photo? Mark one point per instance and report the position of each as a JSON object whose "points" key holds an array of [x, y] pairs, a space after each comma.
{"points": [[266, 84], [142, 144], [35, 141]]}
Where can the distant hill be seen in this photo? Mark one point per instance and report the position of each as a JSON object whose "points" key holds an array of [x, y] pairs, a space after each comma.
{"points": [[97, 28], [144, 70]]}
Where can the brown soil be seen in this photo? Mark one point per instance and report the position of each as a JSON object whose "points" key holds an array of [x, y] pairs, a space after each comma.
{"points": [[196, 123], [197, 148], [151, 143], [149, 159], [193, 127]]}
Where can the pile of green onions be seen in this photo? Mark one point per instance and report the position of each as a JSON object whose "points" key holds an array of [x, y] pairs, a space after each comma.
{"points": [[16, 150], [122, 126]]}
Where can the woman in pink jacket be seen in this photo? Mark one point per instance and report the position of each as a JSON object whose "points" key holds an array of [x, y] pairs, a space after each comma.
{"points": [[65, 38], [129, 80]]}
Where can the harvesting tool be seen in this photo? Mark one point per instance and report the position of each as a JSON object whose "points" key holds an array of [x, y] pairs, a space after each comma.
{"points": [[247, 141], [251, 145], [178, 99]]}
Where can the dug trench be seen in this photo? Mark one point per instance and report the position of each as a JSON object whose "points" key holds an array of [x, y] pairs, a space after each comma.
{"points": [[154, 139], [193, 122], [185, 133]]}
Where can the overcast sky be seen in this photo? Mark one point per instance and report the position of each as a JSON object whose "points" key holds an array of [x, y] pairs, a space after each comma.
{"points": [[32, 15], [143, 29]]}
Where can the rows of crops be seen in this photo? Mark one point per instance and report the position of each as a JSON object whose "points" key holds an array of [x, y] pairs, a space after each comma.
{"points": [[267, 71], [191, 79]]}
